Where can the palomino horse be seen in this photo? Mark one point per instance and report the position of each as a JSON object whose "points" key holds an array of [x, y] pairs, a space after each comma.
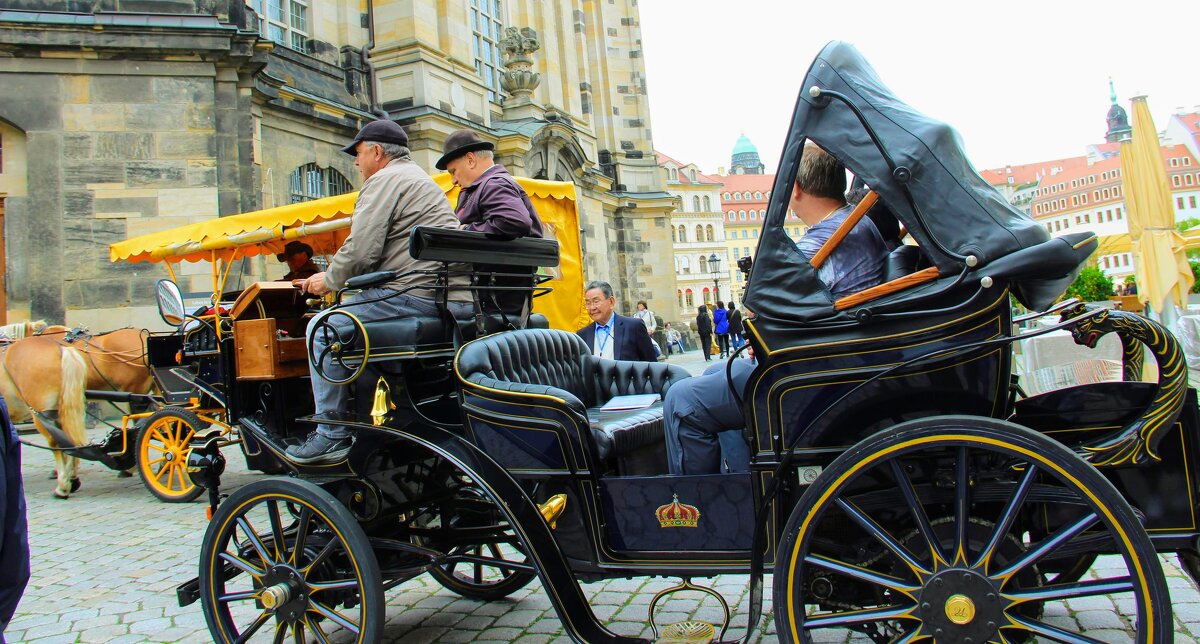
{"points": [[38, 375], [52, 370]]}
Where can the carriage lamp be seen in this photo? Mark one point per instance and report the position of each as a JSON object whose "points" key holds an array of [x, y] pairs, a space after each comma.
{"points": [[553, 508], [382, 403], [714, 265]]}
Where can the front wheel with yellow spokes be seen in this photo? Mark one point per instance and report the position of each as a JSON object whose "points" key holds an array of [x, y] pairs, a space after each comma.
{"points": [[283, 561], [162, 446], [937, 530]]}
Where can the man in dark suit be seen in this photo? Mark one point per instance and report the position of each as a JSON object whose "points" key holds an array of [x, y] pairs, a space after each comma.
{"points": [[613, 336]]}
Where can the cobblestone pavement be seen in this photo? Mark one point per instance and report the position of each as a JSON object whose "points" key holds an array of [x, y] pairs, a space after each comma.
{"points": [[106, 563]]}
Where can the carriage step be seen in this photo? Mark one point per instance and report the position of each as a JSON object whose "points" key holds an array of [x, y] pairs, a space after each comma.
{"points": [[188, 592], [689, 632]]}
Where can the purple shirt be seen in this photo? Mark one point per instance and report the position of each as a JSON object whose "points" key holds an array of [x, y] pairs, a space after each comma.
{"points": [[497, 205]]}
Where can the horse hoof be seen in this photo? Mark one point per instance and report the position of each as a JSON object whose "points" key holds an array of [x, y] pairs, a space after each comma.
{"points": [[53, 475], [124, 474], [76, 484], [59, 495]]}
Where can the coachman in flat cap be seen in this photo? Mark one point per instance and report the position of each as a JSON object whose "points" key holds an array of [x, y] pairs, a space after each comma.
{"points": [[381, 131]]}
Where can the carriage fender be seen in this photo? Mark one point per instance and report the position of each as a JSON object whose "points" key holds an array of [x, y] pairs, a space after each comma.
{"points": [[572, 606]]}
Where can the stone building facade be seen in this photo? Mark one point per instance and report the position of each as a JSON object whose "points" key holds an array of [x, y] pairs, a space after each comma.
{"points": [[123, 117]]}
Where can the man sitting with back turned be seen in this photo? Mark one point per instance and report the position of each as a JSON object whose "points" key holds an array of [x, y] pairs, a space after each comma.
{"points": [[491, 202], [396, 196], [697, 409]]}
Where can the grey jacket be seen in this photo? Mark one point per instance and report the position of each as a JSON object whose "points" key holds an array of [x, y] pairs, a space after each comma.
{"points": [[394, 200]]}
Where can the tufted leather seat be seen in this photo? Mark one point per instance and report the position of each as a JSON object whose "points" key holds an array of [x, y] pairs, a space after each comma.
{"points": [[426, 336], [547, 373]]}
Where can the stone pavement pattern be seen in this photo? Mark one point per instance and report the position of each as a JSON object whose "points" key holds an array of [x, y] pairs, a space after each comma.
{"points": [[106, 563]]}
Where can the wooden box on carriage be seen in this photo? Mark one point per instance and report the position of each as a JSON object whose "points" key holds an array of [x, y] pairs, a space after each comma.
{"points": [[268, 332]]}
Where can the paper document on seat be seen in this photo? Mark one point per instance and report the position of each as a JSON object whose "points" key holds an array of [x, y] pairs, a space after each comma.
{"points": [[636, 401]]}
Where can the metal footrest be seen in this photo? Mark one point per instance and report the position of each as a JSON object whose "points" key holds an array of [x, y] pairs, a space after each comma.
{"points": [[689, 632]]}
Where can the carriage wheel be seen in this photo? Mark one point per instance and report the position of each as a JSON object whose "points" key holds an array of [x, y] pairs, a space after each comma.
{"points": [[162, 447], [468, 527], [282, 560], [931, 530]]}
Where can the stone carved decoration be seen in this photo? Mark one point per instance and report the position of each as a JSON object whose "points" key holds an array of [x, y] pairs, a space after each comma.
{"points": [[518, 45]]}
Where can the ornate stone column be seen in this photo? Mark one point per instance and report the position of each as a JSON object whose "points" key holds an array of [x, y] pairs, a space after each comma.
{"points": [[518, 79]]}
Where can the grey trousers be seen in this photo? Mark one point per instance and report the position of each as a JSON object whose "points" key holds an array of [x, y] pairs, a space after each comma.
{"points": [[695, 411], [328, 396]]}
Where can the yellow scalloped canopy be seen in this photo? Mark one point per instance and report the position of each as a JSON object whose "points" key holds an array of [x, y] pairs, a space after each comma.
{"points": [[324, 225]]}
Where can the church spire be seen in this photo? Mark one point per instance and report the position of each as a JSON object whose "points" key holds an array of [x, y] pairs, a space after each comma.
{"points": [[1118, 120]]}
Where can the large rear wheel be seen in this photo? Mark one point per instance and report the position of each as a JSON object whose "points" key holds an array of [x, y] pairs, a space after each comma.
{"points": [[282, 560], [162, 447], [936, 529]]}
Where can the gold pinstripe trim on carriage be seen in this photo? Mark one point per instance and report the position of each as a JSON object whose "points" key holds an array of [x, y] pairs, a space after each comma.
{"points": [[871, 459]]}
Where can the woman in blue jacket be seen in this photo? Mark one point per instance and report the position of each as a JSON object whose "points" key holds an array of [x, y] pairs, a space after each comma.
{"points": [[721, 328]]}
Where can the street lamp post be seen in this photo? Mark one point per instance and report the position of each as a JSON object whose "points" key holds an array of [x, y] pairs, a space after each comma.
{"points": [[714, 265]]}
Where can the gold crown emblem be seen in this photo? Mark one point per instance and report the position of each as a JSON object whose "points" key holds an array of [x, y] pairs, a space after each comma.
{"points": [[677, 515]]}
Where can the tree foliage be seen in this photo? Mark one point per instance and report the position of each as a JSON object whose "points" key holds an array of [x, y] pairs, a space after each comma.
{"points": [[1092, 285]]}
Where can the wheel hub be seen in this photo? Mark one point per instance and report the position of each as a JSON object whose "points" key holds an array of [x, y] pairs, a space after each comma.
{"points": [[284, 593], [961, 605]]}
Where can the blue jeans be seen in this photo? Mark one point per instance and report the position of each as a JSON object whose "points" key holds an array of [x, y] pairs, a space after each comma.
{"points": [[329, 397]]}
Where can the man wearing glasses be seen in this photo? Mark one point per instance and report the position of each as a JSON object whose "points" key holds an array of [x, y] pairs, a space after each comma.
{"points": [[613, 336]]}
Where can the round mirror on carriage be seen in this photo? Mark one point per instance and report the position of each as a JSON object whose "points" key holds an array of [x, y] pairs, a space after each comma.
{"points": [[170, 302]]}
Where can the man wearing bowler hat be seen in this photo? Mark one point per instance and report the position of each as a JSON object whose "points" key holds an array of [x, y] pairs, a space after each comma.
{"points": [[491, 202], [298, 256], [396, 195]]}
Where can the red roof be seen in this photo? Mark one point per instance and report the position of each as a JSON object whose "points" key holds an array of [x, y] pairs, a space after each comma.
{"points": [[1190, 121], [1030, 172], [1059, 186], [701, 178]]}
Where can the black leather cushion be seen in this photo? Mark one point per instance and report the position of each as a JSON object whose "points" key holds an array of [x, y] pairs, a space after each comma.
{"points": [[404, 336], [559, 363], [901, 261], [621, 432]]}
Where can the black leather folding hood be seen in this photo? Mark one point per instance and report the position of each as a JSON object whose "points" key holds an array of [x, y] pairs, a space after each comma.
{"points": [[929, 185]]}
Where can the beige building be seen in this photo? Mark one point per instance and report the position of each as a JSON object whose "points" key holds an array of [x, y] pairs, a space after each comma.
{"points": [[142, 116], [697, 238]]}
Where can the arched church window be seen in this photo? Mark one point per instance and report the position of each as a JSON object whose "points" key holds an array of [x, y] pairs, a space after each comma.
{"points": [[311, 181], [708, 233]]}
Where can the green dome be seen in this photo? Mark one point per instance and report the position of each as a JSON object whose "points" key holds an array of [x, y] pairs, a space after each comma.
{"points": [[744, 145]]}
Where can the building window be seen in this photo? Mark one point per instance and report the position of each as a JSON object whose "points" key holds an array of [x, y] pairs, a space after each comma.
{"points": [[1175, 180], [687, 266], [754, 233], [695, 204], [682, 234], [680, 295], [709, 234], [707, 296], [1192, 202], [757, 195], [281, 21], [725, 196], [746, 195], [690, 298], [742, 215], [703, 264], [1187, 179], [707, 204], [1179, 203], [699, 232], [310, 182], [486, 33], [674, 237]]}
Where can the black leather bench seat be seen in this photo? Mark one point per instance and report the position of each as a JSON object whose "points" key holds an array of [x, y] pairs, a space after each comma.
{"points": [[622, 432]]}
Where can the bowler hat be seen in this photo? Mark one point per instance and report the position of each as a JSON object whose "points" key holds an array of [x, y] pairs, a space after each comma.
{"points": [[459, 143], [381, 131], [292, 248]]}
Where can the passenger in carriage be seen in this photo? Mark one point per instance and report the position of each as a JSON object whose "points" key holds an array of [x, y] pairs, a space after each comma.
{"points": [[491, 202], [298, 256], [613, 336], [697, 409], [396, 195]]}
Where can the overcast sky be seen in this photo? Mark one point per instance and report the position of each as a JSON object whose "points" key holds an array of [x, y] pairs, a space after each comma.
{"points": [[1020, 81]]}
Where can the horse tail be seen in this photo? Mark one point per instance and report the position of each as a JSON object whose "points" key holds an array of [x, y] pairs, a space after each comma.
{"points": [[71, 396]]}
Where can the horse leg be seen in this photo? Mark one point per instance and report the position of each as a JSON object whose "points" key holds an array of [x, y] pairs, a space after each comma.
{"points": [[71, 417]]}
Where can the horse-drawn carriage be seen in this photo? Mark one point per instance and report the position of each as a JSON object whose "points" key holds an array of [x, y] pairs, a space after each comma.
{"points": [[901, 485]]}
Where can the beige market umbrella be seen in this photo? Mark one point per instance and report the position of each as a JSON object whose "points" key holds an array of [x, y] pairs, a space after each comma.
{"points": [[1163, 274]]}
